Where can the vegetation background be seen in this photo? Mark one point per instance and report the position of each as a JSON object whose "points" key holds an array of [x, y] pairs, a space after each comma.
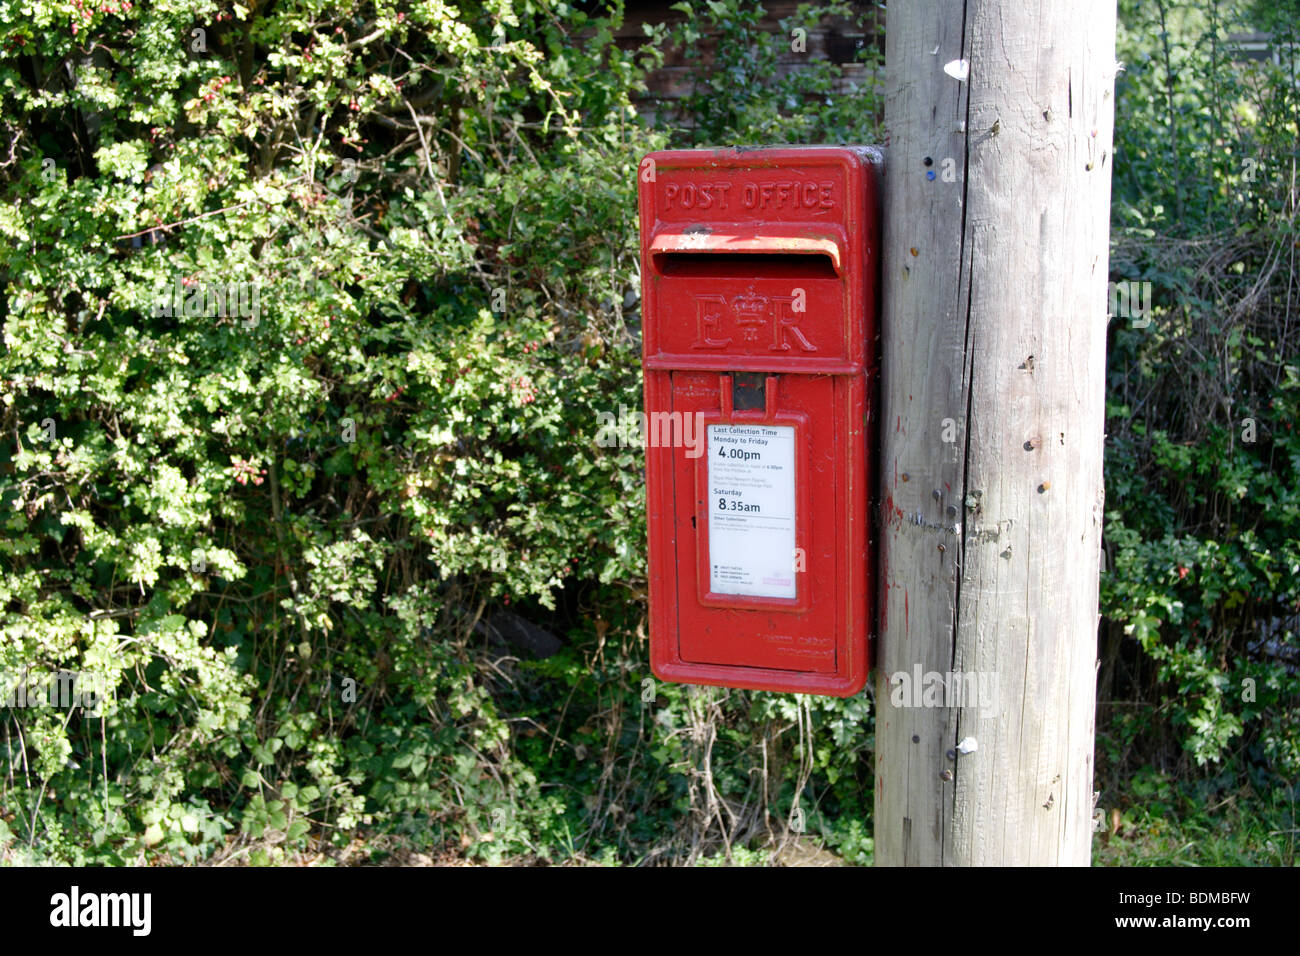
{"points": [[363, 584]]}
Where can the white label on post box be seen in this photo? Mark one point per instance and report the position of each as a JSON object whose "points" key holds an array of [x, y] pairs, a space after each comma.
{"points": [[751, 510]]}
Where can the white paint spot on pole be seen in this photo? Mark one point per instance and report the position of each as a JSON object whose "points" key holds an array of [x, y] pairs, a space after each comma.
{"points": [[957, 69]]}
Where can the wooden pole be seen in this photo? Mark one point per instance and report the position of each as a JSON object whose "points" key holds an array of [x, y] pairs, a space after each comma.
{"points": [[996, 224]]}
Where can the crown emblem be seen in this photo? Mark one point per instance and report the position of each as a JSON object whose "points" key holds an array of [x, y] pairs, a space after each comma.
{"points": [[751, 310]]}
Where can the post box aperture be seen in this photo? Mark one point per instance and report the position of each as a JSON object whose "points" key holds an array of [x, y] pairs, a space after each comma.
{"points": [[758, 312]]}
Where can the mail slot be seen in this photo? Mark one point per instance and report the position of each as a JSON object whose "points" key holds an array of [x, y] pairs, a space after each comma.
{"points": [[759, 277]]}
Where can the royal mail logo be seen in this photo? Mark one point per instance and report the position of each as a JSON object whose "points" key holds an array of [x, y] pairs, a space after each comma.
{"points": [[751, 318]]}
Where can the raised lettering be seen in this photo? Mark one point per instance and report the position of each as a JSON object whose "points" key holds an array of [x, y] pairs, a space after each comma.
{"points": [[709, 312], [785, 321]]}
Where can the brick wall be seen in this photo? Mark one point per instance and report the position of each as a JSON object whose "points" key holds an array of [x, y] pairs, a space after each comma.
{"points": [[837, 41]]}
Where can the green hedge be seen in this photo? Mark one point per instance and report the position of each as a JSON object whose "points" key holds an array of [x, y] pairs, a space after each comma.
{"points": [[270, 523]]}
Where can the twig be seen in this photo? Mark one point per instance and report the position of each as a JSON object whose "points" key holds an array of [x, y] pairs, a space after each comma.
{"points": [[206, 215]]}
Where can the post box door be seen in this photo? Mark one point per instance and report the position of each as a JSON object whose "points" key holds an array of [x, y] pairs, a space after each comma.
{"points": [[756, 517]]}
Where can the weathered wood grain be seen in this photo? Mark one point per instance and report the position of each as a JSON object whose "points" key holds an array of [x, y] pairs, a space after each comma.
{"points": [[994, 333]]}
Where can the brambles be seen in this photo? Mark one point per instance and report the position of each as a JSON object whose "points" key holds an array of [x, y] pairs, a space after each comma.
{"points": [[1202, 466], [242, 499]]}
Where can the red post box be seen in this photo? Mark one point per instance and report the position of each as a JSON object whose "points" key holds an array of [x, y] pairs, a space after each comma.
{"points": [[759, 276]]}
